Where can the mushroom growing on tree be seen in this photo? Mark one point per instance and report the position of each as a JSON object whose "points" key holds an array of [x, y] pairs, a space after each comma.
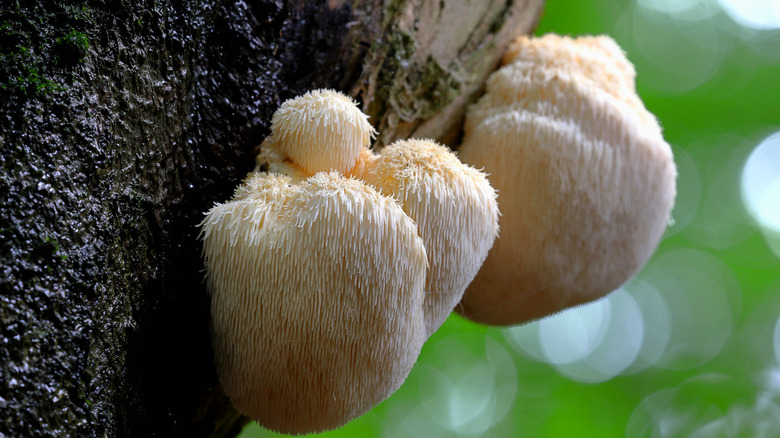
{"points": [[454, 207], [320, 303], [317, 299], [321, 130], [585, 179]]}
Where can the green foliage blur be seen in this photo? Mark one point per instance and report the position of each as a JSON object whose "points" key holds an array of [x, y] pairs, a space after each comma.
{"points": [[691, 347]]}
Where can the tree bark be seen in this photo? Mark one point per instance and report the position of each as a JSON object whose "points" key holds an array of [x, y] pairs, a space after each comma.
{"points": [[122, 121]]}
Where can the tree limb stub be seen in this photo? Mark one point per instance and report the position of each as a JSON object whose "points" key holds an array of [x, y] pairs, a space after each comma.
{"points": [[432, 61]]}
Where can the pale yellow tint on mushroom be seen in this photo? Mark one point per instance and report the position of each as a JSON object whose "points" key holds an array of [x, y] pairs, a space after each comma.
{"points": [[598, 59], [317, 299], [272, 159], [454, 207], [322, 130], [585, 180]]}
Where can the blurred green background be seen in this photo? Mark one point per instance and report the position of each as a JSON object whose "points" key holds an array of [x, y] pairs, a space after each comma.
{"points": [[689, 348]]}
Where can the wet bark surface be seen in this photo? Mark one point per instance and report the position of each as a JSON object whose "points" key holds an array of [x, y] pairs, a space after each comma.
{"points": [[121, 122]]}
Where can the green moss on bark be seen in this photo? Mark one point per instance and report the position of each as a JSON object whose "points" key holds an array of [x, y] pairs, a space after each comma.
{"points": [[40, 44], [409, 91]]}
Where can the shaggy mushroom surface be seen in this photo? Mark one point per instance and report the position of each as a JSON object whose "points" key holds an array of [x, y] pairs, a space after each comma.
{"points": [[584, 177], [331, 266], [317, 299]]}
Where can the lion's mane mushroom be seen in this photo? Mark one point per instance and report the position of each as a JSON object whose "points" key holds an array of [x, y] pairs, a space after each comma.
{"points": [[453, 204], [454, 207], [320, 302], [321, 130], [585, 179], [317, 298]]}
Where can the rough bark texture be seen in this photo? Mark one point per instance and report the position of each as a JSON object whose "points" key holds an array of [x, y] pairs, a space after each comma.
{"points": [[122, 121]]}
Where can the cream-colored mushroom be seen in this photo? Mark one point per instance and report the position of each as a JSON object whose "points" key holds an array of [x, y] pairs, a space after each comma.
{"points": [[585, 179], [317, 298], [322, 130], [272, 159], [454, 207], [536, 68], [597, 58]]}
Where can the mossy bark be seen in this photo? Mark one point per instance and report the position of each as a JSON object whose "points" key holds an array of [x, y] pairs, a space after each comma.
{"points": [[121, 122]]}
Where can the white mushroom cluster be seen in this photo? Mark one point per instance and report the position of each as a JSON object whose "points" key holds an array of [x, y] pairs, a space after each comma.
{"points": [[585, 179], [331, 265]]}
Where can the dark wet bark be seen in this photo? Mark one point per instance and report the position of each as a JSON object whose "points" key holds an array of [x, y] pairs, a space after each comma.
{"points": [[121, 122]]}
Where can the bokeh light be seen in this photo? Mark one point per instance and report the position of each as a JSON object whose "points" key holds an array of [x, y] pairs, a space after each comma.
{"points": [[776, 340], [710, 405], [759, 14], [720, 220], [703, 298], [466, 385], [573, 335], [674, 7], [464, 392], [657, 320], [591, 343], [761, 188], [681, 48], [619, 345]]}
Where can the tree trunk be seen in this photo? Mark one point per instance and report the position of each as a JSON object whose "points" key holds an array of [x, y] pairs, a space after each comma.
{"points": [[122, 121]]}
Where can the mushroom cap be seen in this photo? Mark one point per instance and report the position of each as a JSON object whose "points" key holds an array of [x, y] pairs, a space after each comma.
{"points": [[321, 130], [585, 181], [455, 209], [317, 295]]}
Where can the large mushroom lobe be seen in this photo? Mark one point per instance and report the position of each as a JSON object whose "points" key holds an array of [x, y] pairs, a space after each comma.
{"points": [[317, 299], [454, 207], [585, 179]]}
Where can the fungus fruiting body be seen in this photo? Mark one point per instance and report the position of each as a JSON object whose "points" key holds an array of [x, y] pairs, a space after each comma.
{"points": [[317, 292], [585, 179], [331, 266], [321, 130], [454, 207]]}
